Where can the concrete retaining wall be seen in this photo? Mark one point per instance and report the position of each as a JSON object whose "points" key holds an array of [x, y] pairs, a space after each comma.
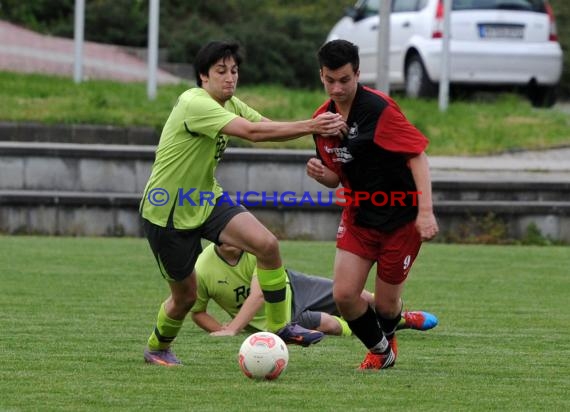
{"points": [[94, 189]]}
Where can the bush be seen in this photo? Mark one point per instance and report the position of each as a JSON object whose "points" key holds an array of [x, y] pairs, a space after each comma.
{"points": [[488, 229], [533, 236]]}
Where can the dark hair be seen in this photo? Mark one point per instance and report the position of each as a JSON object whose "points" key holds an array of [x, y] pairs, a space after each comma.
{"points": [[337, 53], [211, 53]]}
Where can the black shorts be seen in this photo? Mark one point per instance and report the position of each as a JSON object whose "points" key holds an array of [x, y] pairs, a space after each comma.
{"points": [[177, 250]]}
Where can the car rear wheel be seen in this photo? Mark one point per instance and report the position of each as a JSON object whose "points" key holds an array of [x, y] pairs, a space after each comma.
{"points": [[418, 83], [542, 96]]}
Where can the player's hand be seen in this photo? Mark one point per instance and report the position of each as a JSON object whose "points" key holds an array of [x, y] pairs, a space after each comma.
{"points": [[329, 124], [426, 225], [315, 168], [224, 332], [342, 133]]}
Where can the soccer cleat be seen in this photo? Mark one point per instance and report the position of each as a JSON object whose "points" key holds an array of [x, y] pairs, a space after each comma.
{"points": [[394, 345], [378, 361], [418, 320], [297, 335], [161, 357]]}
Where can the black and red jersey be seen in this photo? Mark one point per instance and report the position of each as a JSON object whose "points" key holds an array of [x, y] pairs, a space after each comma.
{"points": [[373, 157]]}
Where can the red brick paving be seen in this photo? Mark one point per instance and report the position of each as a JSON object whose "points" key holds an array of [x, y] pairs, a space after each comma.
{"points": [[22, 50]]}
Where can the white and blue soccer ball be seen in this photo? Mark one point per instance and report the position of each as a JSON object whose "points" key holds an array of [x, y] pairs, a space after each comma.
{"points": [[263, 355]]}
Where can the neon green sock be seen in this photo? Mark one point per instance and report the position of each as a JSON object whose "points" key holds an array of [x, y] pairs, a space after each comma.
{"points": [[346, 331], [273, 283], [165, 331]]}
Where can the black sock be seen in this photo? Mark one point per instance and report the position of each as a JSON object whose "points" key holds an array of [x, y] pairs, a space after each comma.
{"points": [[367, 329], [389, 325]]}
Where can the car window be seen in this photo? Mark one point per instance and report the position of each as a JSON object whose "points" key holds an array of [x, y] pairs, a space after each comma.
{"points": [[404, 5], [367, 8], [525, 5]]}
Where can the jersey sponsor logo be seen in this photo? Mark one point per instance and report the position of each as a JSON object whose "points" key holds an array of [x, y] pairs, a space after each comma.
{"points": [[353, 131], [241, 294], [221, 145], [339, 154]]}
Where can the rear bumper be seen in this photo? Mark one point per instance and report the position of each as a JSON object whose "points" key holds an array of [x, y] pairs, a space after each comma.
{"points": [[496, 62]]}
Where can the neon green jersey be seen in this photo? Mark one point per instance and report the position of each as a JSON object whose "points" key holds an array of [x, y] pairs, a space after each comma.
{"points": [[182, 183], [226, 285]]}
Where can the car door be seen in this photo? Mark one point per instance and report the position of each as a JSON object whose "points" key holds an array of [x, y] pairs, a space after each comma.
{"points": [[364, 33], [405, 22]]}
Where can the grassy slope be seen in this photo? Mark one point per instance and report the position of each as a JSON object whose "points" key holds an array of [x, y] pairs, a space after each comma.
{"points": [[469, 127]]}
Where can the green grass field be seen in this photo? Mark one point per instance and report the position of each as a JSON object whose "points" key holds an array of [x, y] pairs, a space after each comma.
{"points": [[76, 313]]}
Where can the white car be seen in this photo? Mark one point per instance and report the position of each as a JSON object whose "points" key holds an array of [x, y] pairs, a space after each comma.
{"points": [[493, 43]]}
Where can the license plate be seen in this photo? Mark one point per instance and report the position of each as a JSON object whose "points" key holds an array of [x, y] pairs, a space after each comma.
{"points": [[501, 31]]}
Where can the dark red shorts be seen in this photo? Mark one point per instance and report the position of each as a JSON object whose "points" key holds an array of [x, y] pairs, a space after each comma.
{"points": [[394, 252]]}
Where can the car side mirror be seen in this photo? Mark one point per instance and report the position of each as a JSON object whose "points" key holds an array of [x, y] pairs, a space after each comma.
{"points": [[354, 13]]}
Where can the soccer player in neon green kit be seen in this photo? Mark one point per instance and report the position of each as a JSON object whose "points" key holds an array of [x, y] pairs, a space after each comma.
{"points": [[177, 214], [227, 275]]}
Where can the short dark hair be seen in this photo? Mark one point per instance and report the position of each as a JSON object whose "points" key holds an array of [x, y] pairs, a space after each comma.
{"points": [[211, 53], [337, 53]]}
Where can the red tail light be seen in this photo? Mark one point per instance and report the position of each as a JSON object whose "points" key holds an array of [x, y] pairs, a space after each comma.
{"points": [[552, 33], [438, 27]]}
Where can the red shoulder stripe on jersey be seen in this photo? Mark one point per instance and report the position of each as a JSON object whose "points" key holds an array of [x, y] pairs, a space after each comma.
{"points": [[323, 108], [395, 133], [320, 141]]}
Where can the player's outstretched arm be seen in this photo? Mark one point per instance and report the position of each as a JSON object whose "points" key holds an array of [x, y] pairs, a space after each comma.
{"points": [[250, 307], [266, 130], [206, 321]]}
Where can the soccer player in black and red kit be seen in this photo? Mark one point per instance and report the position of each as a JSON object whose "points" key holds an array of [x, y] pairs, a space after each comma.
{"points": [[379, 159]]}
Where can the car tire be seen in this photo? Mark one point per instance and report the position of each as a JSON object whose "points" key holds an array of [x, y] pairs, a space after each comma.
{"points": [[542, 96], [418, 83]]}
